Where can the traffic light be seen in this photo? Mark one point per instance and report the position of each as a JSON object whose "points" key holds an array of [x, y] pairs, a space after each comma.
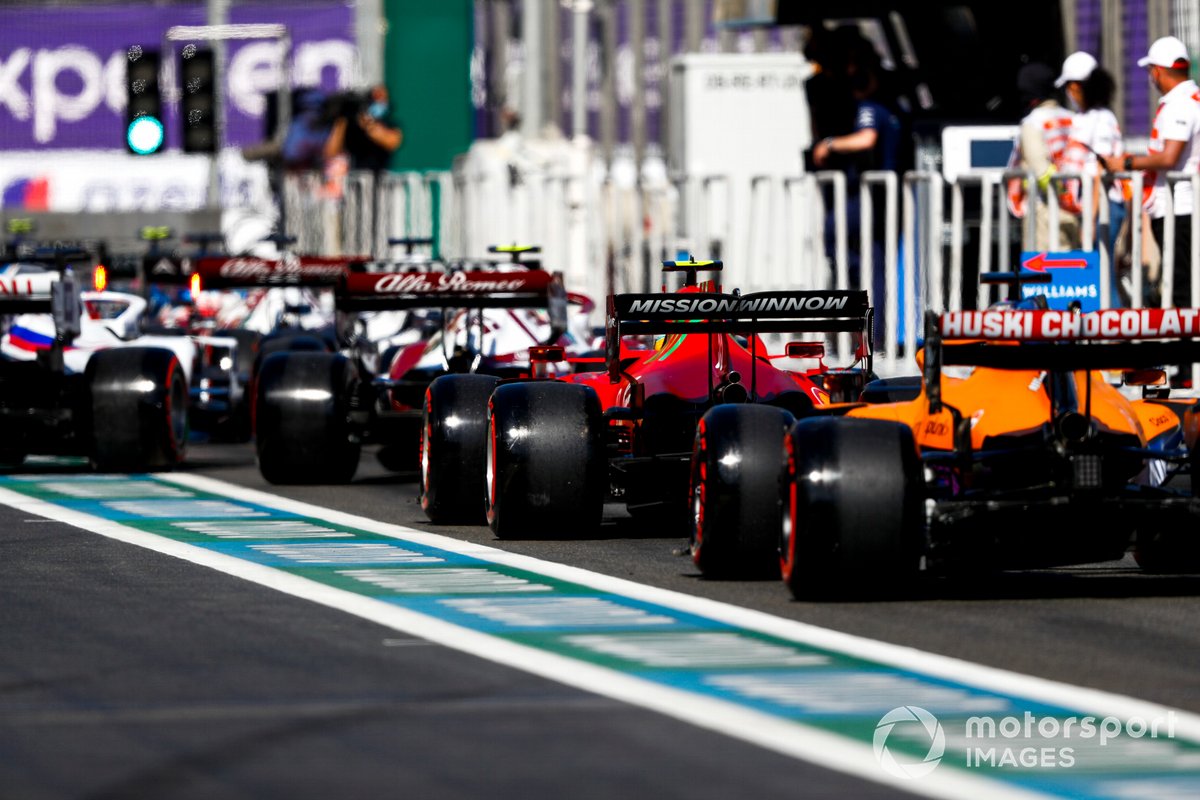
{"points": [[198, 76], [143, 104]]}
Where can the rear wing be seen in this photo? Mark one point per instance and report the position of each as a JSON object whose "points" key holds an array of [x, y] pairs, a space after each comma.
{"points": [[230, 272], [1111, 339], [1114, 338], [759, 312], [384, 291]]}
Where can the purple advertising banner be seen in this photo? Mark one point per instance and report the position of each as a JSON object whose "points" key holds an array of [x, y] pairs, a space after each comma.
{"points": [[62, 69]]}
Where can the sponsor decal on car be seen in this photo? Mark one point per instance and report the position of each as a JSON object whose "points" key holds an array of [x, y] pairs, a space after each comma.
{"points": [[420, 283], [1113, 323]]}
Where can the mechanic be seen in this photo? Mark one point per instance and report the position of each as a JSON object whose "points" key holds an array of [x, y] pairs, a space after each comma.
{"points": [[1173, 146], [1040, 149]]}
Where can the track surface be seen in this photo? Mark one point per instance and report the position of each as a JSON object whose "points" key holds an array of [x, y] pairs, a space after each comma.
{"points": [[125, 673]]}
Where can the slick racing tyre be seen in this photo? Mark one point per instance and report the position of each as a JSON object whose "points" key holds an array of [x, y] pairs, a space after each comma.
{"points": [[1175, 549], [737, 472], [289, 341], [303, 431], [546, 467], [851, 508], [454, 432], [139, 400]]}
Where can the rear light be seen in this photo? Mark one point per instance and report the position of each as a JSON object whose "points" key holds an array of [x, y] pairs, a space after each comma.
{"points": [[194, 284], [547, 354]]}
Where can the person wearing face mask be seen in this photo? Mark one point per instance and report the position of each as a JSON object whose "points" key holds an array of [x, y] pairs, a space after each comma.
{"points": [[369, 137], [1095, 133], [1173, 146]]}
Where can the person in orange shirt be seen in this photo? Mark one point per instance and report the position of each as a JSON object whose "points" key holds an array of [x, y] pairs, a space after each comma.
{"points": [[1040, 150]]}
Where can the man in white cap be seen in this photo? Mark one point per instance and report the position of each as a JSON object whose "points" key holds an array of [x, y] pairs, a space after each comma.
{"points": [[1174, 146]]}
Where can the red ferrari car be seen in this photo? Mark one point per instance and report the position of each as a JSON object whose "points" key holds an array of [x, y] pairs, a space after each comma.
{"points": [[541, 456]]}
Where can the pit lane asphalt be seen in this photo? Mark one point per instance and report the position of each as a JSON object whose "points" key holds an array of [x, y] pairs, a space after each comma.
{"points": [[125, 673], [1104, 626]]}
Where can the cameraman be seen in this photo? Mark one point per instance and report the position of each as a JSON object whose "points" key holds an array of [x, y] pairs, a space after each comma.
{"points": [[367, 135]]}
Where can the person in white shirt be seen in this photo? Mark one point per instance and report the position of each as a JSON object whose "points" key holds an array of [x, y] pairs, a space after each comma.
{"points": [[1173, 146], [1095, 133]]}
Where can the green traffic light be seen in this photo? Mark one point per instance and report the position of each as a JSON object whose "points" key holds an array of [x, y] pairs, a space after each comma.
{"points": [[145, 135]]}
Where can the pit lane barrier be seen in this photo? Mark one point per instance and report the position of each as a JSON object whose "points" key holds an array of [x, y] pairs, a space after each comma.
{"points": [[607, 232]]}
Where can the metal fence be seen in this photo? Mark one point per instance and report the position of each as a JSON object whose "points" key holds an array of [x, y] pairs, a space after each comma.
{"points": [[607, 235]]}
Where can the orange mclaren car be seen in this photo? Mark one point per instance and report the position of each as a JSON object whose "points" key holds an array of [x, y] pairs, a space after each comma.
{"points": [[1012, 450]]}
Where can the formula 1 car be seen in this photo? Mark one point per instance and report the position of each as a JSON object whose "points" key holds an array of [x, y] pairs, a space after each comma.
{"points": [[241, 309], [314, 410], [1012, 452], [554, 450], [77, 378]]}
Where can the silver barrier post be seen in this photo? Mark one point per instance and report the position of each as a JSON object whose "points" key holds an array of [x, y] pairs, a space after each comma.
{"points": [[933, 230], [1030, 235], [841, 266], [1167, 271], [1053, 232], [1087, 225], [1195, 261], [1135, 240], [887, 179], [1104, 242], [987, 211], [755, 266]]}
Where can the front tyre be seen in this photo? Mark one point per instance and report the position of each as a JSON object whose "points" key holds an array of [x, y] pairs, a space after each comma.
{"points": [[303, 432], [546, 466], [852, 508], [737, 470], [139, 399]]}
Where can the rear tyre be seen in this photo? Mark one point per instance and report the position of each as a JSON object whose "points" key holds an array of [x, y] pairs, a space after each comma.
{"points": [[303, 430], [237, 428], [851, 522], [139, 409], [546, 467], [454, 432], [737, 471], [1175, 549]]}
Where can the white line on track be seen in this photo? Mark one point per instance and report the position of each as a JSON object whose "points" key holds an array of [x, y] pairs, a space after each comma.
{"points": [[783, 736]]}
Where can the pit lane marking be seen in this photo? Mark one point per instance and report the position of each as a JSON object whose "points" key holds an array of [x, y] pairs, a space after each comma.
{"points": [[346, 553], [729, 708], [262, 529]]}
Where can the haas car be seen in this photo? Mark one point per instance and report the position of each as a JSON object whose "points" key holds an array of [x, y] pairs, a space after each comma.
{"points": [[77, 378], [314, 410], [541, 456], [1014, 451]]}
